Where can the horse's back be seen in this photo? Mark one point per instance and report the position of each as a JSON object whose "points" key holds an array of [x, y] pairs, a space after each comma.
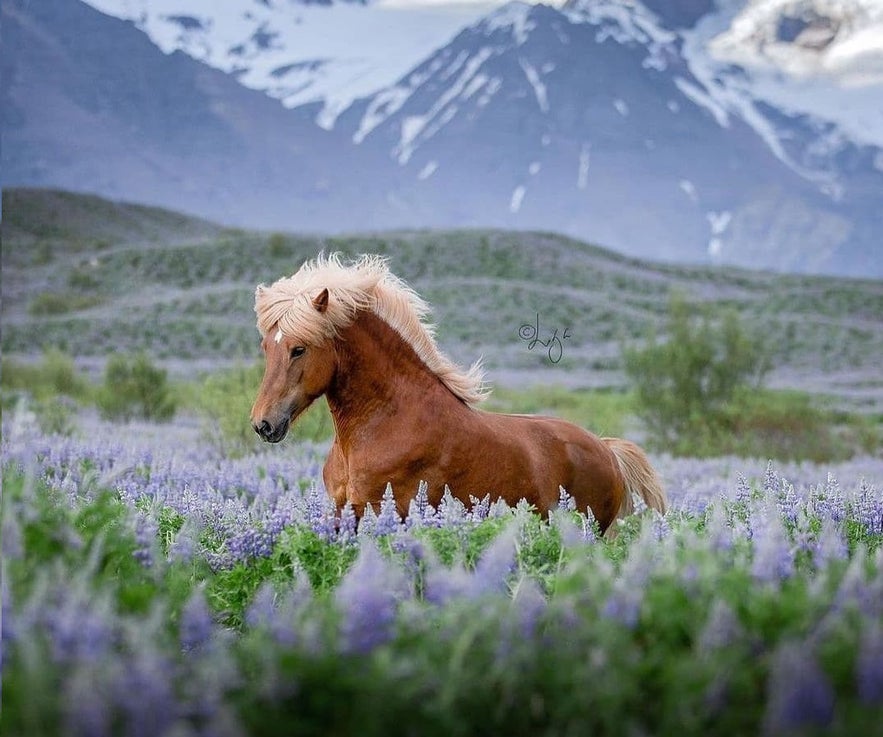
{"points": [[561, 454]]}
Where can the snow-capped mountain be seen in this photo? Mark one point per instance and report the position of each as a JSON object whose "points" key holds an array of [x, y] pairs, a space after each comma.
{"points": [[637, 124], [304, 51]]}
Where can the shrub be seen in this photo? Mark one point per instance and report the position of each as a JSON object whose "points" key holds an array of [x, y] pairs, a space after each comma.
{"points": [[134, 387], [686, 385], [59, 303]]}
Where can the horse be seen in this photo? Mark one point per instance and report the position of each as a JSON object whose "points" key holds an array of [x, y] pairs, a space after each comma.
{"points": [[405, 414]]}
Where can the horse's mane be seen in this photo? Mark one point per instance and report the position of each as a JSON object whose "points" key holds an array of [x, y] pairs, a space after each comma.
{"points": [[363, 284]]}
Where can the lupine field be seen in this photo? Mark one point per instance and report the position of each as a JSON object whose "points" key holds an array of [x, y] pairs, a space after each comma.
{"points": [[153, 587]]}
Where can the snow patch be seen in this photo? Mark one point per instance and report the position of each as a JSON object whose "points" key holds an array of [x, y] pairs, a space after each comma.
{"points": [[582, 174], [689, 189], [517, 199], [424, 126], [512, 17], [539, 89], [696, 95], [428, 170]]}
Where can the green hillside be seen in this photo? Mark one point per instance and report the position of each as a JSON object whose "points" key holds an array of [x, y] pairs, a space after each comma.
{"points": [[90, 277]]}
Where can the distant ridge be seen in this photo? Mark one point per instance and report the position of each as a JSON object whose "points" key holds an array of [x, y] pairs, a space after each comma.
{"points": [[125, 277]]}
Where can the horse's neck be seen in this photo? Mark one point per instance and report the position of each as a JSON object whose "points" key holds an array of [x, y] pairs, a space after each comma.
{"points": [[378, 375]]}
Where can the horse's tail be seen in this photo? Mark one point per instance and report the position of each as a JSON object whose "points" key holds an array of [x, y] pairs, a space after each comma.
{"points": [[640, 478]]}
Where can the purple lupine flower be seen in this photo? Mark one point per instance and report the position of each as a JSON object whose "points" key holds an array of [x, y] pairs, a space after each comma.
{"points": [[84, 703], [718, 531], [145, 540], [868, 509], [721, 628], [787, 501], [496, 564], [623, 604], [368, 599], [869, 667], [743, 490], [661, 527], [368, 523], [480, 508], [530, 605], [318, 511], [145, 695], [773, 555], [591, 530], [346, 529], [571, 535], [799, 694], [388, 521], [442, 584], [418, 506], [770, 481], [830, 544], [451, 511], [196, 625], [185, 543], [565, 502], [262, 610]]}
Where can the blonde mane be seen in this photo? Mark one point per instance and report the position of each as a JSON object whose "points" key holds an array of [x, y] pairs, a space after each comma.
{"points": [[363, 284]]}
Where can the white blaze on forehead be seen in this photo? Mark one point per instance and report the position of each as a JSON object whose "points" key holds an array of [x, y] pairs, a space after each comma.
{"points": [[278, 337]]}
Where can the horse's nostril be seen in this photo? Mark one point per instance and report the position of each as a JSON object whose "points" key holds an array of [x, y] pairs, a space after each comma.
{"points": [[264, 429]]}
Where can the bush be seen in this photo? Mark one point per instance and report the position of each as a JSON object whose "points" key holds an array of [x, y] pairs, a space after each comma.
{"points": [[60, 303], [134, 387], [686, 385]]}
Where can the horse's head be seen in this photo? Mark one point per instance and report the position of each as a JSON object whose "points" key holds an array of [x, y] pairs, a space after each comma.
{"points": [[296, 373]]}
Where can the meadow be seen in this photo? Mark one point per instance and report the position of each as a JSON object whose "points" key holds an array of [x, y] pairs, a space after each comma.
{"points": [[154, 586], [172, 576]]}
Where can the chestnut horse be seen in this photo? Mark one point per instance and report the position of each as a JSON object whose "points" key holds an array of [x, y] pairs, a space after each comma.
{"points": [[404, 413]]}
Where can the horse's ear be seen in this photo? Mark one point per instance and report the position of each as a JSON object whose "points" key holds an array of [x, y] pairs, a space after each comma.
{"points": [[320, 301]]}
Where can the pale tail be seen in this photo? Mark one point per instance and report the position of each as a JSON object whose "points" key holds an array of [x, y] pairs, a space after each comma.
{"points": [[639, 477]]}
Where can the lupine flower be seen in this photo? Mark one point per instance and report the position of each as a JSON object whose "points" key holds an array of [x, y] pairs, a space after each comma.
{"points": [[623, 605], [368, 598], [530, 604], [451, 511], [799, 694], [497, 563], [565, 502], [830, 545], [85, 708], [480, 508], [196, 624], [418, 506], [721, 628], [388, 521], [346, 532], [773, 556]]}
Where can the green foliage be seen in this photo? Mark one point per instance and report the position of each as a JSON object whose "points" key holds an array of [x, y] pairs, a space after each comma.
{"points": [[135, 388], [686, 385], [59, 303], [54, 375]]}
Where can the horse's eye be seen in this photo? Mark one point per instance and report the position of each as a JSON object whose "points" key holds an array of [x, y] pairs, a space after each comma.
{"points": [[297, 351]]}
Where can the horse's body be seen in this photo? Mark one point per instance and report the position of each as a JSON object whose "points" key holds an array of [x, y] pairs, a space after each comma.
{"points": [[399, 422]]}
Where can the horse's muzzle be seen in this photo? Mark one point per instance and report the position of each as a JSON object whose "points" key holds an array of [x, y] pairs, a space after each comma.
{"points": [[269, 433]]}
